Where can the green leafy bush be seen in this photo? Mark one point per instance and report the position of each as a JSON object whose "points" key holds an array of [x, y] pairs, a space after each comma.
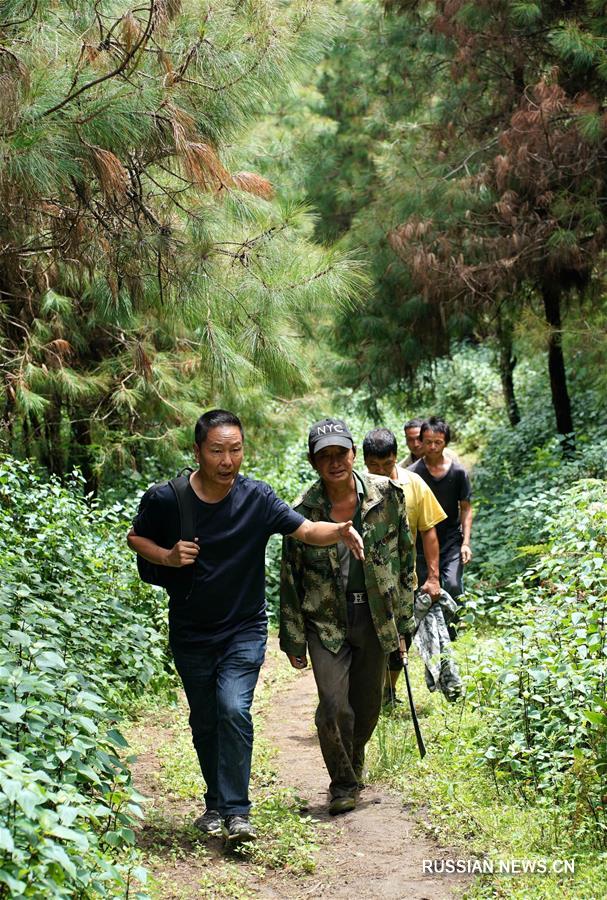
{"points": [[81, 638], [542, 693], [521, 475]]}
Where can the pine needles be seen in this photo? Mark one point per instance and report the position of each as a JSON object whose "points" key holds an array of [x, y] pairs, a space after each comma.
{"points": [[146, 268]]}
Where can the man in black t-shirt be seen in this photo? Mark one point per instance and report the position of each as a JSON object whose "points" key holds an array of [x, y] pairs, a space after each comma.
{"points": [[450, 484], [217, 617]]}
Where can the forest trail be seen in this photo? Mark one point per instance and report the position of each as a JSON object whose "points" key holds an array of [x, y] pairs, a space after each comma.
{"points": [[373, 853]]}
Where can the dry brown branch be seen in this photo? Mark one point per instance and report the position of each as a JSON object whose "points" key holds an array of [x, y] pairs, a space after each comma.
{"points": [[131, 31], [253, 184], [113, 177], [60, 348], [142, 362], [203, 166]]}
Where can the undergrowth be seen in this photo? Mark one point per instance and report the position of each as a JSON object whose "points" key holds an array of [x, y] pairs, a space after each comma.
{"points": [[81, 638]]}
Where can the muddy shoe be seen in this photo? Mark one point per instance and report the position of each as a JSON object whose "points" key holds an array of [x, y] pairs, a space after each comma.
{"points": [[238, 829], [209, 822], [340, 805]]}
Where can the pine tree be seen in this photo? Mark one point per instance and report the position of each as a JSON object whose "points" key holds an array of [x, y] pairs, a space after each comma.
{"points": [[483, 145], [145, 271]]}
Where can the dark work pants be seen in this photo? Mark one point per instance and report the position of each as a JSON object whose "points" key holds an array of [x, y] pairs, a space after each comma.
{"points": [[451, 570], [350, 684], [219, 683]]}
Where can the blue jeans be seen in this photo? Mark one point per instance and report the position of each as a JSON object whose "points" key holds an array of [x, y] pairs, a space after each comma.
{"points": [[219, 683]]}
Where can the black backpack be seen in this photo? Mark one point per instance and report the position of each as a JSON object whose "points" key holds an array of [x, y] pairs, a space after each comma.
{"points": [[162, 576]]}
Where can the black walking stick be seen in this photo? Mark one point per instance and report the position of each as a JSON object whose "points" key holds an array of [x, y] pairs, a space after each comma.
{"points": [[405, 658]]}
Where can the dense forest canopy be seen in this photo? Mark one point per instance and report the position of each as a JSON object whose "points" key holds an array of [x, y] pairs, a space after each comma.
{"points": [[145, 270], [468, 159], [158, 254]]}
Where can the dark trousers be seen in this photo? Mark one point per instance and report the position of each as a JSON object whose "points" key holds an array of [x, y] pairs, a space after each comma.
{"points": [[349, 686], [219, 683], [451, 570]]}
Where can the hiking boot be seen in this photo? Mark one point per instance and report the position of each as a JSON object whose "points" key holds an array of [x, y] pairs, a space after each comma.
{"points": [[340, 805], [238, 829], [209, 822]]}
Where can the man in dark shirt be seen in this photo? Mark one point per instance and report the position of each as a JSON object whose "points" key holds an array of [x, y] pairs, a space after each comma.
{"points": [[450, 484], [217, 617]]}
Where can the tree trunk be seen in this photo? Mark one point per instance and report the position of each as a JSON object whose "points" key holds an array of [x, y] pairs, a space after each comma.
{"points": [[507, 362], [7, 419], [551, 295], [51, 450], [80, 452], [26, 437]]}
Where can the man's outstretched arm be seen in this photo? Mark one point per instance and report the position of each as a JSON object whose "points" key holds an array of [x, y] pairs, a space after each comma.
{"points": [[322, 534]]}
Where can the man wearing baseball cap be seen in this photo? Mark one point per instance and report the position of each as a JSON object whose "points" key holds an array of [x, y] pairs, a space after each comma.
{"points": [[346, 612]]}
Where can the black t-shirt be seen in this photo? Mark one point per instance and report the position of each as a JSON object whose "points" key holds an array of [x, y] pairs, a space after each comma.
{"points": [[448, 490], [223, 594]]}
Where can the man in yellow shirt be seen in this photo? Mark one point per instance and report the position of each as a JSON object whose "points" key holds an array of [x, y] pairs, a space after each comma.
{"points": [[424, 512]]}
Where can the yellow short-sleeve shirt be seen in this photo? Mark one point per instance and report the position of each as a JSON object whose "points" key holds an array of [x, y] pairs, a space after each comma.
{"points": [[423, 509]]}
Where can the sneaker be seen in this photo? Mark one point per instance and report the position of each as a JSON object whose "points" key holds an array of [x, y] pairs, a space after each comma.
{"points": [[209, 822], [237, 829], [340, 805]]}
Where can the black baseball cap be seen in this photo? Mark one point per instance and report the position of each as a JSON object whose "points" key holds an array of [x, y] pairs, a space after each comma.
{"points": [[329, 433]]}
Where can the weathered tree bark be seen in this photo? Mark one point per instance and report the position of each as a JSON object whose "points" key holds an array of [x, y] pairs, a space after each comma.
{"points": [[80, 452], [51, 447], [551, 295], [7, 417], [507, 362], [26, 437]]}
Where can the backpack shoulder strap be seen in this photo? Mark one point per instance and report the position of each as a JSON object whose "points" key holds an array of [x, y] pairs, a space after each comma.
{"points": [[185, 502]]}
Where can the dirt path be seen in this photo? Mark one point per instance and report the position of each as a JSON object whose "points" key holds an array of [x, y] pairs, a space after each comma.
{"points": [[373, 853]]}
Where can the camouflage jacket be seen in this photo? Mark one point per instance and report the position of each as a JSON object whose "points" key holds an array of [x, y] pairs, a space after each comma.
{"points": [[311, 585]]}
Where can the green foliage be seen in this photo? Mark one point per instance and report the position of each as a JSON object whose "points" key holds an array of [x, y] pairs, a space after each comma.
{"points": [[452, 159], [147, 271], [543, 693], [520, 477], [466, 802], [81, 638]]}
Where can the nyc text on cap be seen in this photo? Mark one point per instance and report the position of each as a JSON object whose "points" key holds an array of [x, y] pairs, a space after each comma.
{"points": [[329, 433]]}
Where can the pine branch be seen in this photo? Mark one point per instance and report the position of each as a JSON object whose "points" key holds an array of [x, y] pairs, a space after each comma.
{"points": [[117, 71], [21, 21]]}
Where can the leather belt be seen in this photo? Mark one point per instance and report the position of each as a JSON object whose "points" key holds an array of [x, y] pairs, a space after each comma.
{"points": [[357, 597]]}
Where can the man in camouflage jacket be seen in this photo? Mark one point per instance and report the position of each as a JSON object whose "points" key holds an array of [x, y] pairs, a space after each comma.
{"points": [[347, 614]]}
